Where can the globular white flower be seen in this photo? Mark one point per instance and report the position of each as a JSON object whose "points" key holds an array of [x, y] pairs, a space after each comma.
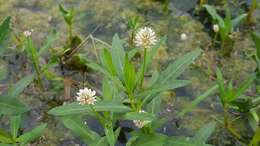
{"points": [[27, 33], [86, 96], [140, 123], [216, 28], [145, 38], [184, 36]]}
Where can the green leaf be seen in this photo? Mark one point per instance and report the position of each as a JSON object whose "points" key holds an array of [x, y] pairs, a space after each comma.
{"points": [[115, 80], [4, 32], [195, 102], [107, 90], [238, 19], [150, 140], [230, 94], [215, 16], [204, 133], [11, 106], [110, 135], [70, 109], [129, 75], [5, 137], [32, 135], [67, 14], [101, 142], [110, 106], [118, 55], [256, 139], [220, 81], [76, 108], [157, 88], [2, 144], [106, 60], [18, 87], [256, 39], [155, 105], [75, 124], [175, 69], [175, 141], [51, 38], [143, 116], [244, 86], [15, 124]]}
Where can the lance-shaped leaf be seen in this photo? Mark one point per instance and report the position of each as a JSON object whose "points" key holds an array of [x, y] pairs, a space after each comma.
{"points": [[32, 135], [11, 106], [75, 124], [18, 87]]}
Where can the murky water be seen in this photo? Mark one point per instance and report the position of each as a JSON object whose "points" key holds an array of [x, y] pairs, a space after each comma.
{"points": [[109, 17]]}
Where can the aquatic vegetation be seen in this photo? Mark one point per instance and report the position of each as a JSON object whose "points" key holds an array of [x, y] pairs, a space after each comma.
{"points": [[125, 96], [13, 108], [228, 94], [227, 27], [250, 20]]}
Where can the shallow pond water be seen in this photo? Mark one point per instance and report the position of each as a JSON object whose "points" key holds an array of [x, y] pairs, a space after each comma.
{"points": [[107, 17]]}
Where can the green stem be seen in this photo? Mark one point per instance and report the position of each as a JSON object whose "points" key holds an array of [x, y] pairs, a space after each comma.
{"points": [[143, 69], [70, 34], [132, 101], [99, 117], [226, 124]]}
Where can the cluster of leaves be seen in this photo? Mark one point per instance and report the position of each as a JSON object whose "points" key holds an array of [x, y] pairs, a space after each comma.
{"points": [[124, 96], [226, 25], [10, 105]]}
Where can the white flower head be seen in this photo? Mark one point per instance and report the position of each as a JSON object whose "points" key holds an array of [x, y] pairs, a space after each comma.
{"points": [[216, 28], [86, 96], [27, 33], [145, 38], [184, 36], [140, 123]]}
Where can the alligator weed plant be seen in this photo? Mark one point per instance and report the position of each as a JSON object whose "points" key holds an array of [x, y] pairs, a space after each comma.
{"points": [[228, 95], [12, 108], [128, 94], [226, 28]]}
